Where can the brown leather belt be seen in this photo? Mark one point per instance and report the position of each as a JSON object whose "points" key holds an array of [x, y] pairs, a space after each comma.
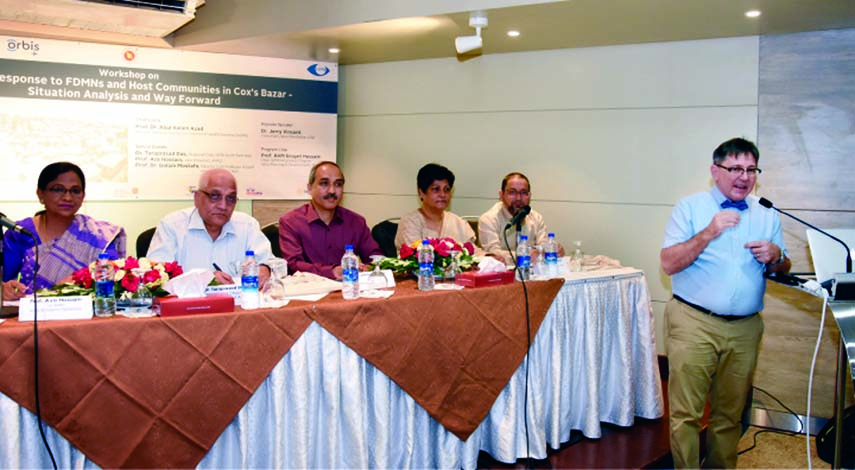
{"points": [[710, 312]]}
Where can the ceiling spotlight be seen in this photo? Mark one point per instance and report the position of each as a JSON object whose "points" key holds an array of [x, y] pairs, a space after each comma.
{"points": [[334, 50], [513, 33], [752, 13], [464, 44]]}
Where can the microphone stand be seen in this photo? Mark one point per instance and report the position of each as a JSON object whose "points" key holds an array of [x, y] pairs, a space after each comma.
{"points": [[527, 338], [842, 360]]}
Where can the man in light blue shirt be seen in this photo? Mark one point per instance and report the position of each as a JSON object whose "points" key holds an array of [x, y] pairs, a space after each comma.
{"points": [[211, 235], [717, 246]]}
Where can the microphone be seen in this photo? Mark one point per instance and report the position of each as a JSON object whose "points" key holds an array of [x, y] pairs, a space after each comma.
{"points": [[519, 216], [11, 225], [768, 204]]}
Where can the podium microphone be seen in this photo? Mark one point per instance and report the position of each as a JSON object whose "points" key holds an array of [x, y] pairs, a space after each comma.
{"points": [[11, 225], [519, 216], [768, 204]]}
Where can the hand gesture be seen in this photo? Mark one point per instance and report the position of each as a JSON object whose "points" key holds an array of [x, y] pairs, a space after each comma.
{"points": [[722, 221], [764, 251]]}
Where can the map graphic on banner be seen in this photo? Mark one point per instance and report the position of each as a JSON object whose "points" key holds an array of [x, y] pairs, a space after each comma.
{"points": [[144, 123]]}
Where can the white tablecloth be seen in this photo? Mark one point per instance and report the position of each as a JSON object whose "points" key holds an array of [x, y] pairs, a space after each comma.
{"points": [[323, 406]]}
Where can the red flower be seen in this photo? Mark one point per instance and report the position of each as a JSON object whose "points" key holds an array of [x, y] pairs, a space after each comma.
{"points": [[131, 263], [442, 248], [130, 282], [407, 251], [470, 248], [173, 269], [151, 276], [82, 277]]}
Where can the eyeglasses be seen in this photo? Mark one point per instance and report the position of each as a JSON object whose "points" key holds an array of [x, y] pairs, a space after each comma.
{"points": [[515, 193], [739, 171], [60, 191], [217, 197]]}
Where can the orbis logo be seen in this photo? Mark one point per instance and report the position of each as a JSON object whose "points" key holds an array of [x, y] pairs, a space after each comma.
{"points": [[318, 70], [14, 45]]}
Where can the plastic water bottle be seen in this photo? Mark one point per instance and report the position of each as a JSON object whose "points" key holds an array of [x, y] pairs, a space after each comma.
{"points": [[577, 257], [349, 274], [426, 280], [249, 295], [105, 295], [524, 258], [550, 256]]}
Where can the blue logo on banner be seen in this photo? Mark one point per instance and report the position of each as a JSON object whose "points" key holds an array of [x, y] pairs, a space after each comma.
{"points": [[318, 70]]}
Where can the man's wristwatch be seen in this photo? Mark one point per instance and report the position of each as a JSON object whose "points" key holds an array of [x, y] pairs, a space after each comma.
{"points": [[780, 260]]}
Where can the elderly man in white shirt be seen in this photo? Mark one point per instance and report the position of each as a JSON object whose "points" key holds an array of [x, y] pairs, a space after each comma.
{"points": [[211, 235], [515, 193]]}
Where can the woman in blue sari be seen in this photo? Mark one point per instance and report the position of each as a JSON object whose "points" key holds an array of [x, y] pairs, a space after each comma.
{"points": [[66, 240]]}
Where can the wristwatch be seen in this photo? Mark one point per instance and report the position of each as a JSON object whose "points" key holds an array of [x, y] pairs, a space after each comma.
{"points": [[780, 260]]}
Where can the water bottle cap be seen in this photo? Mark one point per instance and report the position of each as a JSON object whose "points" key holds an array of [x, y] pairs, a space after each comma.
{"points": [[348, 247], [250, 253], [425, 242], [103, 256], [551, 235], [523, 237]]}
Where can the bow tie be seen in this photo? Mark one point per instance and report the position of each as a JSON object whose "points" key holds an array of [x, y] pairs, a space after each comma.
{"points": [[741, 205]]}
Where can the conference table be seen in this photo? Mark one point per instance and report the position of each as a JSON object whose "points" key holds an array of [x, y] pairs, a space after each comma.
{"points": [[418, 380]]}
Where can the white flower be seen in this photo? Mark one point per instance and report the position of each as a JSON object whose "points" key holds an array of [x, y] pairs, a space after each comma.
{"points": [[120, 274], [145, 264]]}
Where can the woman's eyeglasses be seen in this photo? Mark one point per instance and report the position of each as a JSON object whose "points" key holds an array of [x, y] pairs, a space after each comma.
{"points": [[60, 191]]}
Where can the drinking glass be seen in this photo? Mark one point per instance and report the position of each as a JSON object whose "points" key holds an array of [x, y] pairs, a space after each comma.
{"points": [[450, 273], [377, 279], [141, 299]]}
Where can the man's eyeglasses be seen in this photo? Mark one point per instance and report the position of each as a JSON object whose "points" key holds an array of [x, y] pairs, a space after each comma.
{"points": [[739, 171], [231, 199], [60, 191], [515, 193]]}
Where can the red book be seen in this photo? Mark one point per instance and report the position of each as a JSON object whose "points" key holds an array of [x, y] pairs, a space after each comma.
{"points": [[476, 279], [173, 306]]}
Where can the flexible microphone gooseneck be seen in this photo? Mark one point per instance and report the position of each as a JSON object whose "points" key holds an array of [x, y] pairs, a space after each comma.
{"points": [[527, 209], [11, 225], [518, 217], [768, 204]]}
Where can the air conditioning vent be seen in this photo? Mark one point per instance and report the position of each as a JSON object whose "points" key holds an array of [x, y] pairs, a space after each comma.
{"points": [[167, 5]]}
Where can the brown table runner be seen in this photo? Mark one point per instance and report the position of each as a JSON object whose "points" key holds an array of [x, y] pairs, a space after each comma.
{"points": [[146, 392], [453, 352], [159, 392]]}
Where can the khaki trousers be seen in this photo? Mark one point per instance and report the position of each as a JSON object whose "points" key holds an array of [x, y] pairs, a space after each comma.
{"points": [[708, 358]]}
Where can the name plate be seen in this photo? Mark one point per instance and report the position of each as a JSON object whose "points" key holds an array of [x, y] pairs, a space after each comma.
{"points": [[225, 289], [77, 307]]}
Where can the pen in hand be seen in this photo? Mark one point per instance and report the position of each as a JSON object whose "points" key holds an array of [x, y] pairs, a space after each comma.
{"points": [[217, 267]]}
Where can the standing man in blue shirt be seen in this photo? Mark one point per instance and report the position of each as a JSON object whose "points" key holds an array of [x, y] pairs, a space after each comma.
{"points": [[717, 246]]}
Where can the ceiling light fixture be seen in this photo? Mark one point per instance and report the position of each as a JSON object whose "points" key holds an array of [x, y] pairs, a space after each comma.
{"points": [[334, 50], [752, 13], [513, 33], [464, 44]]}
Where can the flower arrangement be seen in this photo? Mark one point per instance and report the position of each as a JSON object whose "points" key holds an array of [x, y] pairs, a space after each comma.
{"points": [[130, 272], [407, 261]]}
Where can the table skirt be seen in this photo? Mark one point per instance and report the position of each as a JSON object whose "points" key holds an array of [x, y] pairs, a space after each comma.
{"points": [[323, 406]]}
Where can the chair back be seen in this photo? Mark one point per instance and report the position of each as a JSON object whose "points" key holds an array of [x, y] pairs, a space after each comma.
{"points": [[384, 234], [144, 241], [271, 231], [473, 222]]}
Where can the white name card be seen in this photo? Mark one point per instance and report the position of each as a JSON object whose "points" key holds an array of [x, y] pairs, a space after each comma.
{"points": [[77, 307], [225, 289]]}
